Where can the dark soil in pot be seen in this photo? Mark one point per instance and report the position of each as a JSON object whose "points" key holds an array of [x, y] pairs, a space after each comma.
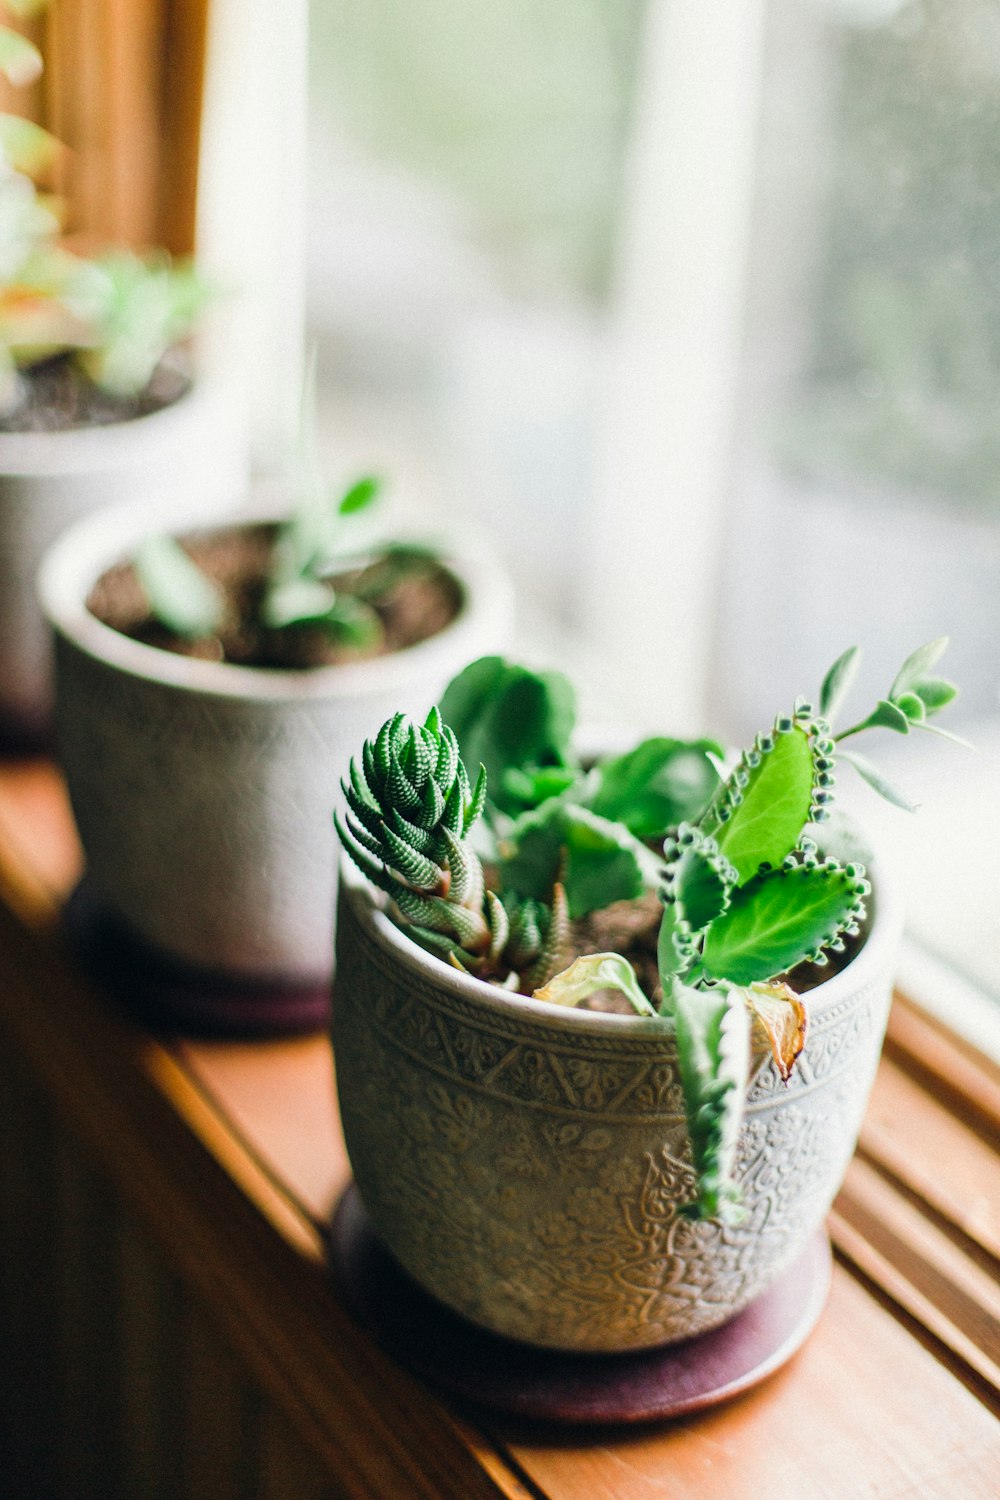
{"points": [[631, 928], [417, 605], [57, 397]]}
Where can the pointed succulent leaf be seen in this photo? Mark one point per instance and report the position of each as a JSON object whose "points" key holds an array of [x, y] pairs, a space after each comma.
{"points": [[759, 815], [554, 945], [838, 681], [712, 1029], [878, 783], [410, 838], [781, 918], [661, 783], [917, 665], [591, 973], [499, 925], [507, 716], [416, 869], [779, 1023], [477, 801]]}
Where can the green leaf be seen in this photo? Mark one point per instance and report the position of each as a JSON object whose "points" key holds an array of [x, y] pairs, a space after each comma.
{"points": [[878, 783], [296, 602], [885, 715], [598, 861], [912, 705], [179, 594], [774, 806], [26, 146], [712, 1028], [699, 879], [838, 681], [935, 693], [946, 734], [537, 784], [917, 665], [672, 957], [360, 495], [507, 716], [593, 972], [20, 60], [661, 783], [782, 918]]}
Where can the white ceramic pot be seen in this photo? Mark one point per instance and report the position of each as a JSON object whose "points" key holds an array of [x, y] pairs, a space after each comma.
{"points": [[525, 1162], [204, 792], [48, 480]]}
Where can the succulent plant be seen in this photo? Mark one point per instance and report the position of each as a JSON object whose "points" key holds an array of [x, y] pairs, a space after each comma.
{"points": [[410, 810], [310, 549], [747, 892], [114, 315]]}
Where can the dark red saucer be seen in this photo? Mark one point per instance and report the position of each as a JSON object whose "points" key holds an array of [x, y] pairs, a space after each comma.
{"points": [[544, 1385], [168, 995]]}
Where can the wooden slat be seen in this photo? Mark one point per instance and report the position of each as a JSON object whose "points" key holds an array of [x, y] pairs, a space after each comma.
{"points": [[948, 1067], [949, 1169], [862, 1413], [225, 1154]]}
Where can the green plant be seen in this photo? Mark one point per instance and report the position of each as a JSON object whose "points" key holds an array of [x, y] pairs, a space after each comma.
{"points": [[310, 549], [747, 891], [113, 315]]}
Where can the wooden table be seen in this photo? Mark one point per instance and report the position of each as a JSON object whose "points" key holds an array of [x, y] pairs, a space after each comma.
{"points": [[168, 1327]]}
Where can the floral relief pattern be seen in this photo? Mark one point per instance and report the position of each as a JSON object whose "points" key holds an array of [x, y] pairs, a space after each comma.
{"points": [[532, 1180]]}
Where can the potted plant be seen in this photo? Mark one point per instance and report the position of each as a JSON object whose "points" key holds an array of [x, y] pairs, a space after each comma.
{"points": [[205, 697], [574, 1177], [99, 402]]}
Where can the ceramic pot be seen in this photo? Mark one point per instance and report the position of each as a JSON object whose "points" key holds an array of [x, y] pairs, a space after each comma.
{"points": [[524, 1162], [203, 792], [48, 480]]}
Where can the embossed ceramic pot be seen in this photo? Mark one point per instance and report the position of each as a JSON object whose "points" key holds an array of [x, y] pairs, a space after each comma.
{"points": [[203, 791], [49, 480], [524, 1162]]}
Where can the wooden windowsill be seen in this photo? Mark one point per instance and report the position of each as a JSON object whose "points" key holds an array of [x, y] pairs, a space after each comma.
{"points": [[231, 1156]]}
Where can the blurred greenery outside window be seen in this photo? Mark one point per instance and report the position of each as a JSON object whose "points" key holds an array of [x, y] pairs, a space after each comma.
{"points": [[486, 150]]}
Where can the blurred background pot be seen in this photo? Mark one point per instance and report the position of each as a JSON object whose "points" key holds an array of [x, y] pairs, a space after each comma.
{"points": [[524, 1162], [204, 791], [48, 480]]}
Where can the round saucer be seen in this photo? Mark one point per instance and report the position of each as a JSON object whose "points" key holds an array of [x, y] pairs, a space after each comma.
{"points": [[542, 1384]]}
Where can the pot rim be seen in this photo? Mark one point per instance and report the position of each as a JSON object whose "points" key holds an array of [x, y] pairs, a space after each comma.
{"points": [[106, 445], [368, 909], [76, 560]]}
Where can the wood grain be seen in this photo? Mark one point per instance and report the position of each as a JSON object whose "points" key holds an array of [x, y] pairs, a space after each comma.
{"points": [[222, 1162]]}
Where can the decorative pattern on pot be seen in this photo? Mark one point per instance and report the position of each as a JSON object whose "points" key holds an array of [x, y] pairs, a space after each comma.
{"points": [[525, 1163], [203, 790]]}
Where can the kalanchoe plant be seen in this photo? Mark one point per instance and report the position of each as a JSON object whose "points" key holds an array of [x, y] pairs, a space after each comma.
{"points": [[748, 893]]}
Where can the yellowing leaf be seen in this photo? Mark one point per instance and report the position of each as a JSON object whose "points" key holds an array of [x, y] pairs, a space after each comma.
{"points": [[779, 1022]]}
